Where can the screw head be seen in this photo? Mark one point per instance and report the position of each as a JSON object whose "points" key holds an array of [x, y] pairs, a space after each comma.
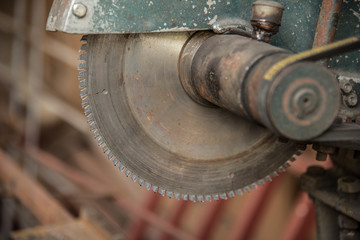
{"points": [[346, 86], [79, 10], [351, 100]]}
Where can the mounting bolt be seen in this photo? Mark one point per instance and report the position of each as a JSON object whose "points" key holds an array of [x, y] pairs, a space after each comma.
{"points": [[351, 100], [348, 184], [79, 10], [323, 151], [346, 86], [266, 19]]}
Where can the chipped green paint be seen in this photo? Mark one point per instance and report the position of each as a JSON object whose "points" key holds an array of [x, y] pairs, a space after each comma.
{"points": [[136, 16]]}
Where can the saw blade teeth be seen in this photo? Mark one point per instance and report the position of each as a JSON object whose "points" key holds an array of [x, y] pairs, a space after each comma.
{"points": [[239, 192], [231, 194], [177, 196], [84, 102], [261, 182], [215, 197], [133, 177], [90, 118], [84, 38], [92, 126], [86, 92], [82, 66], [84, 48], [105, 149], [162, 191], [82, 75], [154, 188], [223, 196], [286, 165], [82, 57], [115, 162], [281, 169], [267, 178], [87, 110], [96, 134], [83, 92], [121, 167], [82, 84]]}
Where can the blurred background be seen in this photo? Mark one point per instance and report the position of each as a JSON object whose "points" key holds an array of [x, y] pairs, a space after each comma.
{"points": [[55, 183]]}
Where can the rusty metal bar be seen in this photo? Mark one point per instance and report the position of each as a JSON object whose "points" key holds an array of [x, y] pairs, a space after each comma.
{"points": [[301, 220], [34, 196], [176, 216], [153, 219], [209, 218], [246, 222], [327, 22], [138, 227]]}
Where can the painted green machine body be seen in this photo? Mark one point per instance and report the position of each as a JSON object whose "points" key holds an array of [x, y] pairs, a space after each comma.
{"points": [[177, 96], [127, 16]]}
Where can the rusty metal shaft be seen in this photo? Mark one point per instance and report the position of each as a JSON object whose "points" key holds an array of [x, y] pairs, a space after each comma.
{"points": [[299, 102]]}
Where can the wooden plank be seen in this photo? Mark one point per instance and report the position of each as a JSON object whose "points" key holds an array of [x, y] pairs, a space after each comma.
{"points": [[73, 230], [34, 196]]}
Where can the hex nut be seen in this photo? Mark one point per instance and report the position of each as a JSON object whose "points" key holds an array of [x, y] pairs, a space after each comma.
{"points": [[348, 184], [351, 100], [79, 10]]}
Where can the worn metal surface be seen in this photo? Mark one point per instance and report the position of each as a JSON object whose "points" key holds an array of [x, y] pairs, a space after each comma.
{"points": [[326, 222], [297, 30], [229, 71], [324, 188], [266, 19], [168, 142], [327, 22], [348, 25]]}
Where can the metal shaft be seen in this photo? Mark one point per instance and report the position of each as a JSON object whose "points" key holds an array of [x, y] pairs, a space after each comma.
{"points": [[299, 102]]}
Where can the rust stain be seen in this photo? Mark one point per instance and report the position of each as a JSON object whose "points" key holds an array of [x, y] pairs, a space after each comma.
{"points": [[327, 22]]}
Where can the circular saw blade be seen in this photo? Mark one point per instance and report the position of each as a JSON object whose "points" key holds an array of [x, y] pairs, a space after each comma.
{"points": [[160, 137]]}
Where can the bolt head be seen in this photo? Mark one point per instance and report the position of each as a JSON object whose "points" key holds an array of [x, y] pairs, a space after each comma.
{"points": [[79, 10], [346, 87], [351, 100]]}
